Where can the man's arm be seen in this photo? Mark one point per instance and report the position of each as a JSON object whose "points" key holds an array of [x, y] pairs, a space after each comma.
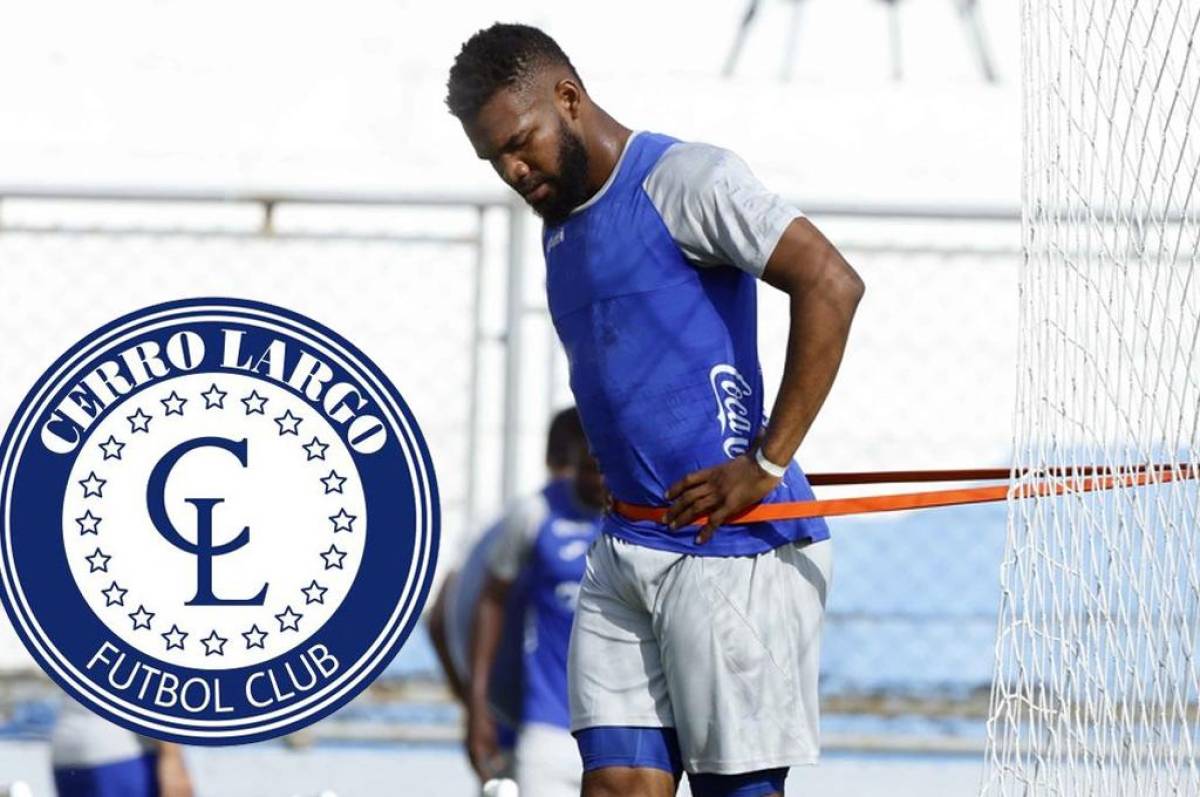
{"points": [[824, 293], [482, 747], [436, 625], [506, 559], [172, 774]]}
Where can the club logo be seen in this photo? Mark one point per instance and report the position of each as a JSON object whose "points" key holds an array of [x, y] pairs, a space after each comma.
{"points": [[218, 521]]}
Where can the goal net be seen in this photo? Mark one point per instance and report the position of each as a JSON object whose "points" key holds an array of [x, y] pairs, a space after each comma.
{"points": [[1097, 678]]}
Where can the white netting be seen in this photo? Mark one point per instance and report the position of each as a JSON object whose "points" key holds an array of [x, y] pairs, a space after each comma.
{"points": [[1097, 681]]}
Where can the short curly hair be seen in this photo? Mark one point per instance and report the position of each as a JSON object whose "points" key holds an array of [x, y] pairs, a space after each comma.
{"points": [[502, 56], [564, 439]]}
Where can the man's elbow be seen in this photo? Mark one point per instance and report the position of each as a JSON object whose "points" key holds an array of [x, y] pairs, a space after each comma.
{"points": [[806, 264], [844, 286], [854, 286], [494, 590]]}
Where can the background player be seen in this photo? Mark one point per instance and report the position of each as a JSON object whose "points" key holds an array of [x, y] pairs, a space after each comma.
{"points": [[92, 757], [544, 543], [690, 650], [453, 612]]}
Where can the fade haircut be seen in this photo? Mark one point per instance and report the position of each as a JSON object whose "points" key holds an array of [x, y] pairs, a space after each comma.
{"points": [[502, 56]]}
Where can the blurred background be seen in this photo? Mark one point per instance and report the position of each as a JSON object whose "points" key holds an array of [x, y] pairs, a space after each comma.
{"points": [[300, 153]]}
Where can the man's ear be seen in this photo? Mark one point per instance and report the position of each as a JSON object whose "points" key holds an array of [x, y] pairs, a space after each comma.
{"points": [[569, 96]]}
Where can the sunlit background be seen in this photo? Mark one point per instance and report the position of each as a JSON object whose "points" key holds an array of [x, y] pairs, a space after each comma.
{"points": [[300, 153]]}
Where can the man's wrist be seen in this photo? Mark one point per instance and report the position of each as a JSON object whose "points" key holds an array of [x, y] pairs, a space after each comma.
{"points": [[767, 466]]}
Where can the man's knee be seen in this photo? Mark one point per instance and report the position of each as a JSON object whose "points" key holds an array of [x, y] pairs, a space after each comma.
{"points": [[628, 782]]}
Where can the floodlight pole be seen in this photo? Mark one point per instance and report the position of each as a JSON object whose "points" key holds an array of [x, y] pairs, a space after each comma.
{"points": [[968, 11], [894, 37], [740, 38], [789, 52]]}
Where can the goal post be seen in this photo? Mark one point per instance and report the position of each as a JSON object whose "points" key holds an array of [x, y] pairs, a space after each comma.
{"points": [[1097, 676]]}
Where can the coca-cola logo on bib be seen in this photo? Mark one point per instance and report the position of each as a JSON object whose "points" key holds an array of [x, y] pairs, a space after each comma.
{"points": [[732, 393]]}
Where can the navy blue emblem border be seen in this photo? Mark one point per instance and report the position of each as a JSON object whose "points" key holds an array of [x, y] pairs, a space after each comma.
{"points": [[392, 504]]}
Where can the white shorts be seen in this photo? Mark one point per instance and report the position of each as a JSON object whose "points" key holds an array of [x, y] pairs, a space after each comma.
{"points": [[725, 650], [548, 762]]}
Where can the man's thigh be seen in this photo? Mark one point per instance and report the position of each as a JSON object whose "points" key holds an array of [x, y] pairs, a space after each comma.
{"points": [[733, 643], [627, 782], [620, 709], [614, 670], [629, 761], [739, 639]]}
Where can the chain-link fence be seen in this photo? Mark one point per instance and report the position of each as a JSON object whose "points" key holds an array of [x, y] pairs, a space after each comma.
{"points": [[446, 295], [927, 383], [416, 282]]}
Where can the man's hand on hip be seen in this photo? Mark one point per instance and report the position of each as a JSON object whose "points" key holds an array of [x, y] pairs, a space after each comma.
{"points": [[719, 492]]}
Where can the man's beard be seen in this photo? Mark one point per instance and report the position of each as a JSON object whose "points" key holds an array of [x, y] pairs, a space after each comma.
{"points": [[571, 182]]}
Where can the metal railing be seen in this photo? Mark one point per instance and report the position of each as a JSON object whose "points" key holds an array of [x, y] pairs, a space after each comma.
{"points": [[19, 214]]}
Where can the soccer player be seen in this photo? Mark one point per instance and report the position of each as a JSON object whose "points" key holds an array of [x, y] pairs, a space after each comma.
{"points": [[694, 647], [453, 612], [544, 543]]}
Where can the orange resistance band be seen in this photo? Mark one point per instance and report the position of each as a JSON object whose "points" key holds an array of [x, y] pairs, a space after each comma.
{"points": [[1077, 482]]}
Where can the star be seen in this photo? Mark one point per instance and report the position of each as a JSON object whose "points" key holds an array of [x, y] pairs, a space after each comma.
{"points": [[88, 524], [314, 593], [139, 421], [114, 595], [214, 643], [93, 485], [333, 483], [98, 561], [315, 449], [254, 637], [174, 637], [288, 620], [287, 423], [111, 448], [214, 397], [333, 558], [141, 618], [343, 520], [173, 403], [254, 403]]}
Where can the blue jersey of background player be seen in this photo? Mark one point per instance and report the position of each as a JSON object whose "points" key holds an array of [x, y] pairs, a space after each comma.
{"points": [[543, 545], [689, 650]]}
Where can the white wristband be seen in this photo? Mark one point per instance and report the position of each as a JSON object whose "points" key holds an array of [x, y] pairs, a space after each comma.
{"points": [[768, 466]]}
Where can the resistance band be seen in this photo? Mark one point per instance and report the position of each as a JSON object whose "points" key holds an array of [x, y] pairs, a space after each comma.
{"points": [[1070, 480]]}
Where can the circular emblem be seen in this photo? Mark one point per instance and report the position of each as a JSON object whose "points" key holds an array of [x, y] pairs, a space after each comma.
{"points": [[218, 521]]}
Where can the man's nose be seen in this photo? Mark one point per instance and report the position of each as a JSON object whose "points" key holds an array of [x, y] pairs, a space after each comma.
{"points": [[515, 172]]}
